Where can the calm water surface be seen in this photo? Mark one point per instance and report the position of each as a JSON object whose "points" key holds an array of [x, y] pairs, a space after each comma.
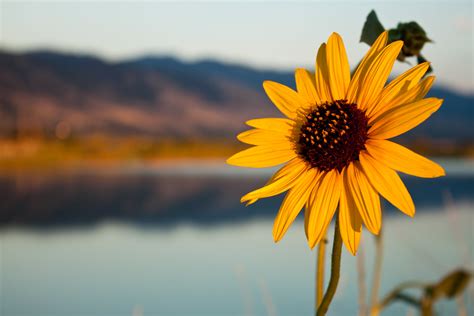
{"points": [[174, 240]]}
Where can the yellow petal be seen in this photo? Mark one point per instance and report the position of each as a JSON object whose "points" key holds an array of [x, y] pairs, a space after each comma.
{"points": [[283, 180], [293, 203], [322, 75], [338, 66], [358, 77], [362, 194], [350, 222], [403, 118], [263, 156], [415, 93], [400, 85], [387, 183], [272, 124], [322, 205], [285, 99], [402, 159], [305, 85], [376, 76], [263, 137]]}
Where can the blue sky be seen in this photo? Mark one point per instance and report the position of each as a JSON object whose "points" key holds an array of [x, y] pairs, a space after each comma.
{"points": [[278, 35]]}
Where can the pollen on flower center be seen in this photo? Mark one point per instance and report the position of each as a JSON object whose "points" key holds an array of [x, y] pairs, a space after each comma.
{"points": [[332, 135]]}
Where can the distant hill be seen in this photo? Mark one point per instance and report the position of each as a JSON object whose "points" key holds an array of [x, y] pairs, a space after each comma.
{"points": [[161, 97]]}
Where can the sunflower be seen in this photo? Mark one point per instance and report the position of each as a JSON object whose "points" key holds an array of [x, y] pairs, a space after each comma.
{"points": [[334, 141]]}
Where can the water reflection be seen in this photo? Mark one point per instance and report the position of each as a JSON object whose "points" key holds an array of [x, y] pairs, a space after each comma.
{"points": [[116, 267], [152, 196]]}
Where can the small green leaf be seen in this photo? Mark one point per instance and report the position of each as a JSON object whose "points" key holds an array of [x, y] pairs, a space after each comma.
{"points": [[372, 29]]}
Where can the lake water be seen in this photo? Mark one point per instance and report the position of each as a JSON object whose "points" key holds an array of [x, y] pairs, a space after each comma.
{"points": [[174, 240]]}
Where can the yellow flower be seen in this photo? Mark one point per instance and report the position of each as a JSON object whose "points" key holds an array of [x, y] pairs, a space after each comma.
{"points": [[334, 141]]}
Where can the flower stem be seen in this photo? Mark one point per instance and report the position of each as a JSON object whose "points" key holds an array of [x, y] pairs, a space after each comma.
{"points": [[374, 297], [320, 264], [361, 282], [335, 269]]}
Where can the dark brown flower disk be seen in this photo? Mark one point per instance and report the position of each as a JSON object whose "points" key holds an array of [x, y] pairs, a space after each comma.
{"points": [[333, 135]]}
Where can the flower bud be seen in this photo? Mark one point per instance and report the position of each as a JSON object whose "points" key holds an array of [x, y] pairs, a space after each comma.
{"points": [[413, 37]]}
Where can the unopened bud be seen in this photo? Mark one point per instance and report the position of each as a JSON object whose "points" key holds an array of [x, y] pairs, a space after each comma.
{"points": [[413, 37]]}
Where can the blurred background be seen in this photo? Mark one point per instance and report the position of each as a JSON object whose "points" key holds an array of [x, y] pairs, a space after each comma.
{"points": [[115, 122]]}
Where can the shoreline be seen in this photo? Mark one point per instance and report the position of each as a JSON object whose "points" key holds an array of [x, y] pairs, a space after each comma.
{"points": [[103, 152]]}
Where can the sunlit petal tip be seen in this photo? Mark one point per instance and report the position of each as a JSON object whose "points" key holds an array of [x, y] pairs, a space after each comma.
{"points": [[376, 231], [357, 84], [384, 36], [241, 137], [263, 156], [230, 161], [352, 250], [249, 122], [422, 68], [234, 160], [313, 243], [441, 172], [321, 75], [437, 103], [250, 202], [350, 221], [246, 199], [277, 233], [277, 236], [430, 79], [397, 44], [338, 67], [283, 97], [275, 124], [306, 86], [437, 172]]}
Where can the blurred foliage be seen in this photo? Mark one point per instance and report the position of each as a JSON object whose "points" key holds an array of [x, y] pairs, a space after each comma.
{"points": [[448, 287]]}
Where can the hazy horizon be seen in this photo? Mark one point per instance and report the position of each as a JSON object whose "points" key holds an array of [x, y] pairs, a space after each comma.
{"points": [[276, 36]]}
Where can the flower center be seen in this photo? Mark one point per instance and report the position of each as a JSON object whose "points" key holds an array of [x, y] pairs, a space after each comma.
{"points": [[332, 135]]}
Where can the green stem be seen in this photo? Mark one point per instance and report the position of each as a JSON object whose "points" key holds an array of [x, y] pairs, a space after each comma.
{"points": [[335, 269], [396, 294]]}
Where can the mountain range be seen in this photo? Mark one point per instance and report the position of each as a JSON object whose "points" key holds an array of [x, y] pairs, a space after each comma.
{"points": [[163, 98]]}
